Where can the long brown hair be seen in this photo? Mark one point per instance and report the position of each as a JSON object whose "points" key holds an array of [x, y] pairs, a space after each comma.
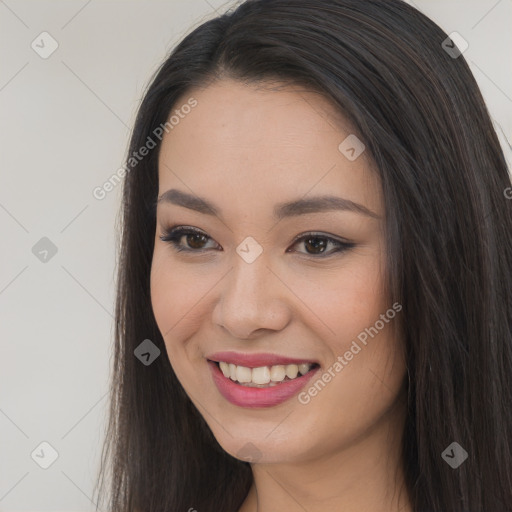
{"points": [[421, 116]]}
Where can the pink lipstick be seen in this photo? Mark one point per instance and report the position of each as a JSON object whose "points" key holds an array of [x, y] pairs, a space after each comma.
{"points": [[267, 396]]}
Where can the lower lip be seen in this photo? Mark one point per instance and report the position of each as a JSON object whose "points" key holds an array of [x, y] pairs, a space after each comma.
{"points": [[244, 396]]}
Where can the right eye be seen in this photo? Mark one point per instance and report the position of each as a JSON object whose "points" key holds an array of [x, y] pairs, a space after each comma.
{"points": [[194, 237]]}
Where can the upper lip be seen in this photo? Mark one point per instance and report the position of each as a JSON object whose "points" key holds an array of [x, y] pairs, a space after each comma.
{"points": [[256, 360]]}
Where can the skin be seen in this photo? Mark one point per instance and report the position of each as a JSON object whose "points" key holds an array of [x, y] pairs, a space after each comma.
{"points": [[246, 148]]}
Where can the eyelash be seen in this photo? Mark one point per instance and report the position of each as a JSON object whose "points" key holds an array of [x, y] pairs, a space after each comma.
{"points": [[173, 235]]}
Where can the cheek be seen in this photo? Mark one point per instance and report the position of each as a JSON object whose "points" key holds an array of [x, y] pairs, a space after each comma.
{"points": [[364, 367], [346, 299], [174, 292], [165, 289], [172, 297], [364, 364], [181, 297]]}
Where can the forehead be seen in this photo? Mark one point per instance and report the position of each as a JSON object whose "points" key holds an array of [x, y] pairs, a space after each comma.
{"points": [[250, 144]]}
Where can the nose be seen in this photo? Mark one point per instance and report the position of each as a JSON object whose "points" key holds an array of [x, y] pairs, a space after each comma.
{"points": [[252, 300]]}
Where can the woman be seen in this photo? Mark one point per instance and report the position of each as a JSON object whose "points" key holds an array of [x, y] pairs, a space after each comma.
{"points": [[315, 272]]}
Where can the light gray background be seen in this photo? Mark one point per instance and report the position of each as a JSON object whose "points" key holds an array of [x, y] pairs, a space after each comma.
{"points": [[64, 131]]}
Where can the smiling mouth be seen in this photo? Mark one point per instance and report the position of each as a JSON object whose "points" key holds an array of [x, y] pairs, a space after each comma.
{"points": [[264, 376]]}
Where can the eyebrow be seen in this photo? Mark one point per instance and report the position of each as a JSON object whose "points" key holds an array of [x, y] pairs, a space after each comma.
{"points": [[281, 210]]}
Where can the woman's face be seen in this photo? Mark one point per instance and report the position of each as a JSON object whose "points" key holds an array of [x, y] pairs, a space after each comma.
{"points": [[279, 275]]}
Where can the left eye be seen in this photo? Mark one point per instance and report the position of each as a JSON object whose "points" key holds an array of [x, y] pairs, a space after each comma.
{"points": [[319, 243], [315, 243]]}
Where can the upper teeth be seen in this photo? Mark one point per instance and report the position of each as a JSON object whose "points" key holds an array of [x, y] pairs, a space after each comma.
{"points": [[263, 374]]}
